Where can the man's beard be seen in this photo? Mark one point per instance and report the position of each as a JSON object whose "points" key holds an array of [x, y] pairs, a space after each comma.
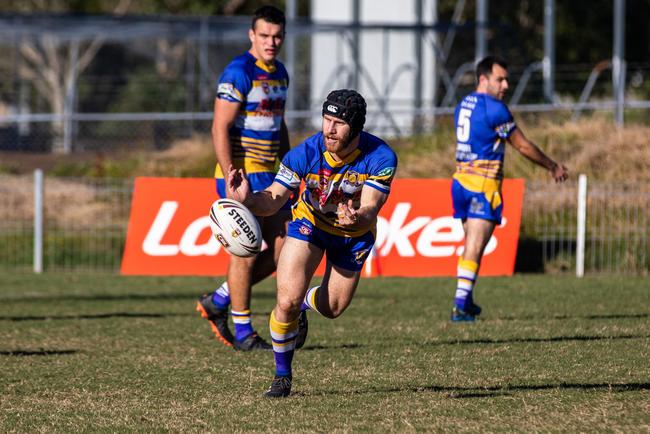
{"points": [[343, 143]]}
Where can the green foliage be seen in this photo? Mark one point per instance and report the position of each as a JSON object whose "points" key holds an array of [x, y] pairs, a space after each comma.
{"points": [[71, 168], [100, 168], [9, 169], [112, 353], [145, 92]]}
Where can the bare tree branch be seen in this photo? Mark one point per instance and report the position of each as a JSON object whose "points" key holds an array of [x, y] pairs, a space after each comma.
{"points": [[231, 7]]}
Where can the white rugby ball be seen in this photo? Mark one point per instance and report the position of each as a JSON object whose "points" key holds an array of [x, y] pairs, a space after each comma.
{"points": [[235, 227]]}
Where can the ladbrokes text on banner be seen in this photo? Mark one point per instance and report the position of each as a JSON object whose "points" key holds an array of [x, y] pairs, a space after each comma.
{"points": [[169, 232]]}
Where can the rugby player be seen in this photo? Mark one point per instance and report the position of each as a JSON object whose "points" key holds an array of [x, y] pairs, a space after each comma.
{"points": [[483, 126], [347, 174]]}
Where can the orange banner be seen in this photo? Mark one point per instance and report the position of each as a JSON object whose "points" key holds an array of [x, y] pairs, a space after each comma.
{"points": [[169, 233]]}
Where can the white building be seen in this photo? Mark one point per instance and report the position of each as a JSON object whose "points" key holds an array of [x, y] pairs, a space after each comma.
{"points": [[393, 69]]}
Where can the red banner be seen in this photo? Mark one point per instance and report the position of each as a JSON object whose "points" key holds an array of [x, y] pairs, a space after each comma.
{"points": [[169, 232]]}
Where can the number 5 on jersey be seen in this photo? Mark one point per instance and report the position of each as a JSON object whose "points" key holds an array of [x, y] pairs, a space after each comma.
{"points": [[463, 128]]}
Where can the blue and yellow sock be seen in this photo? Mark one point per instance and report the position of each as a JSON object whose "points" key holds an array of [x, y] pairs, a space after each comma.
{"points": [[311, 300], [283, 336], [221, 296], [242, 321], [467, 273]]}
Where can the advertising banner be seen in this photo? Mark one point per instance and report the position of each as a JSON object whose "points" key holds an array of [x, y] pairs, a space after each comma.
{"points": [[169, 233]]}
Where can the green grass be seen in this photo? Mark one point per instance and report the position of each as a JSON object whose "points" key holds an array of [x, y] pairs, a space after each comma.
{"points": [[108, 353]]}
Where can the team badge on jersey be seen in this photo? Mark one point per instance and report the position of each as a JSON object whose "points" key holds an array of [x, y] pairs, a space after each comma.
{"points": [[305, 230]]}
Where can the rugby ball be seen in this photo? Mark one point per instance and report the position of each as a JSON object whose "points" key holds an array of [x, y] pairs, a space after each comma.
{"points": [[235, 227]]}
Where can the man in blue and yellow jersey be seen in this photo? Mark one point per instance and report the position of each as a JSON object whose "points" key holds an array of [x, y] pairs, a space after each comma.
{"points": [[249, 133], [347, 174], [483, 127]]}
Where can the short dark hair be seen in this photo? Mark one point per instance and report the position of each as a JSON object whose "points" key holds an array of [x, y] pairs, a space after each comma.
{"points": [[484, 67], [270, 14]]}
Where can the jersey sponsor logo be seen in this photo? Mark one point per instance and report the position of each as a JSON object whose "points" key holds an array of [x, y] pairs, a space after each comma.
{"points": [[386, 171], [228, 89], [476, 207], [361, 256], [169, 231], [322, 193], [504, 129], [287, 175]]}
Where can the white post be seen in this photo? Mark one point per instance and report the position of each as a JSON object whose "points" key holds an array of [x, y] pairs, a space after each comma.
{"points": [[38, 221], [582, 225]]}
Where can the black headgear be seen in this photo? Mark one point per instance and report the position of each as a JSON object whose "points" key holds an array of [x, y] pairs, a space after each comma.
{"points": [[348, 106]]}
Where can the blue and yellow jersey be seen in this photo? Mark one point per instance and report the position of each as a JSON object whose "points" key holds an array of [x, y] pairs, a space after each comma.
{"points": [[262, 92], [483, 124], [329, 182]]}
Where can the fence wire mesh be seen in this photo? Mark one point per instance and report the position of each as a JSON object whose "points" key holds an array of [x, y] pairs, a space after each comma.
{"points": [[617, 232], [86, 223]]}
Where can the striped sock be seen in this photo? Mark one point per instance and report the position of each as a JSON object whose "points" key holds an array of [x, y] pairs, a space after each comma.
{"points": [[242, 321], [283, 336], [311, 300], [467, 272], [221, 296]]}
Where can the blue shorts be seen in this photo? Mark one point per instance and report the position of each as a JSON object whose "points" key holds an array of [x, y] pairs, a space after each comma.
{"points": [[258, 182], [346, 252], [471, 204]]}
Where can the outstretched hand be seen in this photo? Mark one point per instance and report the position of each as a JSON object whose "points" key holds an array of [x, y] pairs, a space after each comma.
{"points": [[237, 186], [346, 214], [559, 173]]}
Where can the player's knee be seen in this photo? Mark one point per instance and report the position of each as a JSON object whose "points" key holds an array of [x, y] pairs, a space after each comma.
{"points": [[332, 310], [243, 263], [288, 306]]}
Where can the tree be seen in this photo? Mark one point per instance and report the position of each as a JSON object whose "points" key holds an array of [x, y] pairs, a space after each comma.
{"points": [[52, 67]]}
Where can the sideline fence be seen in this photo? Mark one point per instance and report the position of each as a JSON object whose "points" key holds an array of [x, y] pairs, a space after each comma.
{"points": [[85, 224]]}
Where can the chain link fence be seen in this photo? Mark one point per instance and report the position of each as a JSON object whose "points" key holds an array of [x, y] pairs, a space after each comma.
{"points": [[617, 231], [86, 223]]}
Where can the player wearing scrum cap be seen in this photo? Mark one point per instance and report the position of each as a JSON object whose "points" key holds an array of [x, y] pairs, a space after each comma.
{"points": [[347, 174]]}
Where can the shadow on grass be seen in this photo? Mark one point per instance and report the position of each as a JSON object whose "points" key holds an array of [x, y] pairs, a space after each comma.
{"points": [[561, 317], [458, 392], [490, 391], [91, 316], [22, 353], [524, 340], [330, 347], [121, 297], [486, 341], [107, 315]]}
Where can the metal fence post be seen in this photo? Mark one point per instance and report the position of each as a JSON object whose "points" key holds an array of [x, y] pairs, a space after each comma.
{"points": [[38, 221], [581, 226]]}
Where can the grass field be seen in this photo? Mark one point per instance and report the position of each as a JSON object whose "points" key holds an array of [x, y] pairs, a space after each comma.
{"points": [[108, 353]]}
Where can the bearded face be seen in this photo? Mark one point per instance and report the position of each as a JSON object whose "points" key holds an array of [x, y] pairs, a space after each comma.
{"points": [[336, 134]]}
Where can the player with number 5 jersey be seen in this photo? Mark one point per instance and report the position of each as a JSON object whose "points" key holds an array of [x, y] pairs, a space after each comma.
{"points": [[483, 127]]}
